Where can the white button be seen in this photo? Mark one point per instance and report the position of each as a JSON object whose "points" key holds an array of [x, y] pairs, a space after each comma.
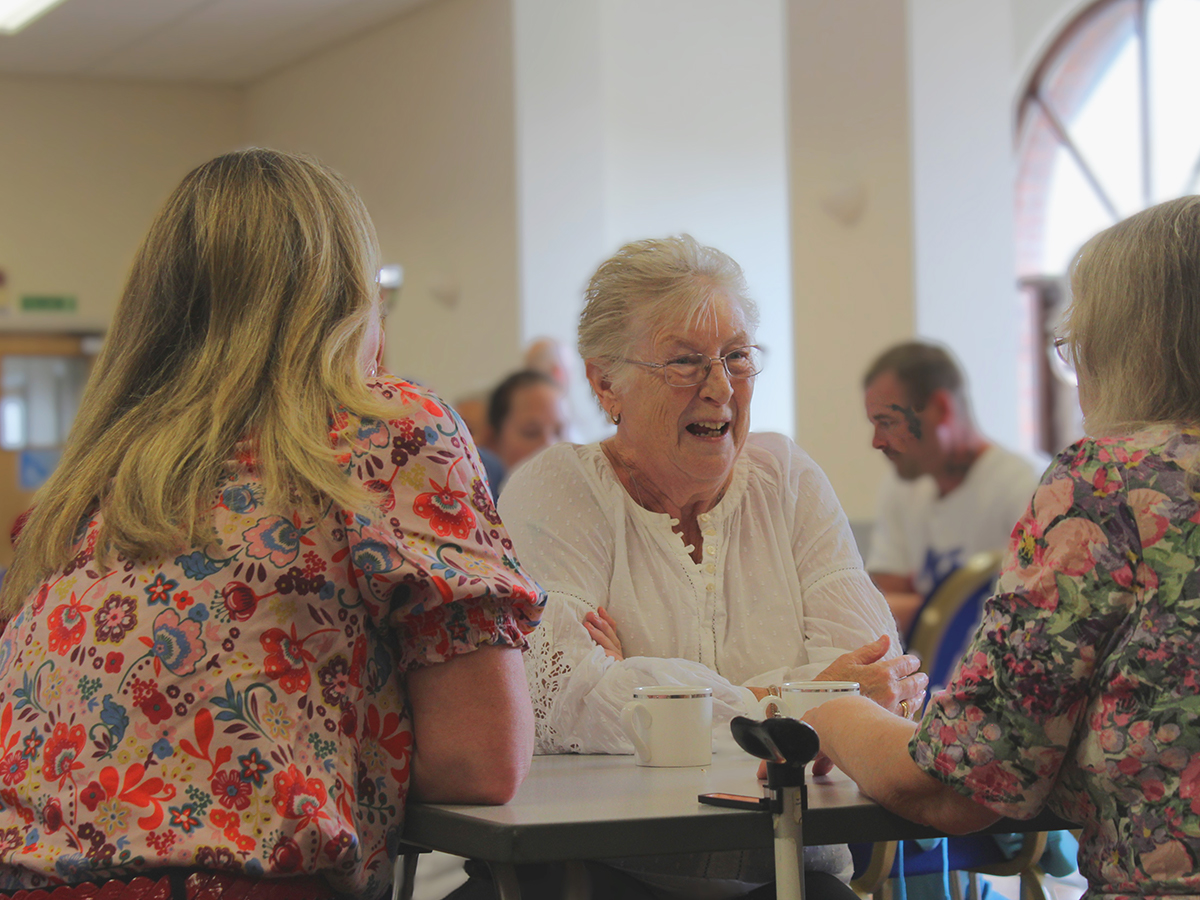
{"points": [[709, 532], [710, 568], [703, 517], [710, 587], [710, 550]]}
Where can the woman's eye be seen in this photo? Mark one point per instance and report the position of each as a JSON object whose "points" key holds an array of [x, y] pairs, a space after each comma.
{"points": [[692, 360]]}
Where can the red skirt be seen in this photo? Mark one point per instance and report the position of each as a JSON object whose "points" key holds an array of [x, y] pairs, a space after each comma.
{"points": [[187, 884]]}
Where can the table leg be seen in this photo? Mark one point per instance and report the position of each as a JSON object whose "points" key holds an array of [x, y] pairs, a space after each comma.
{"points": [[577, 883], [504, 877], [405, 875]]}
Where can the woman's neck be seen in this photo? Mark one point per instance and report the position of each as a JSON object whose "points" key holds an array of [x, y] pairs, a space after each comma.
{"points": [[648, 494]]}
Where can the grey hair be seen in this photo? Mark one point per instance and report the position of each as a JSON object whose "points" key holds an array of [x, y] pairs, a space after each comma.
{"points": [[647, 285], [1133, 325]]}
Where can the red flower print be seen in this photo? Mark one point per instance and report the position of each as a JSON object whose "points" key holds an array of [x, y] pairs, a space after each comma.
{"points": [[40, 600], [52, 815], [156, 707], [62, 750], [287, 659], [297, 797], [240, 601], [91, 795], [115, 616], [339, 846], [13, 768], [286, 857], [113, 663], [66, 623], [445, 510], [183, 600], [230, 790]]}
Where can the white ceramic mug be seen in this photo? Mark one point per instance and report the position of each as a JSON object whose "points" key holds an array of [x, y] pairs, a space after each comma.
{"points": [[670, 725], [798, 697]]}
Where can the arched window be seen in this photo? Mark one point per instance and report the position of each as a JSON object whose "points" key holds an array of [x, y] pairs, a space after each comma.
{"points": [[1106, 127]]}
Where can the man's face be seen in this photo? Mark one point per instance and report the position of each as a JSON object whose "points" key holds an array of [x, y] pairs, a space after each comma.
{"points": [[902, 433]]}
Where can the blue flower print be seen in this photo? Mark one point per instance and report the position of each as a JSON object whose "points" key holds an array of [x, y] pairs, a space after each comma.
{"points": [[374, 557], [159, 590], [177, 643], [162, 748], [113, 716], [374, 433], [274, 538], [239, 499], [254, 767]]}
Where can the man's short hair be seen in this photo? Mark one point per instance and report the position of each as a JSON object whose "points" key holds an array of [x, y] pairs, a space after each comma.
{"points": [[921, 368]]}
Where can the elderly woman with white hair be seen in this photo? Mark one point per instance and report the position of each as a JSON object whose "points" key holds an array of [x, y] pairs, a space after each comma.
{"points": [[1078, 692], [684, 549]]}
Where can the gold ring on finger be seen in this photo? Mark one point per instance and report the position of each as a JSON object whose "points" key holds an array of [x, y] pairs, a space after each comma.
{"points": [[904, 708]]}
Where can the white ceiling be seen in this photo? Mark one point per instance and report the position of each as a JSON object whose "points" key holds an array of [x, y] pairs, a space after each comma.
{"points": [[200, 41]]}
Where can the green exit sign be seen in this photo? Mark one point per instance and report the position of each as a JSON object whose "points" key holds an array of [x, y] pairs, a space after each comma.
{"points": [[56, 303]]}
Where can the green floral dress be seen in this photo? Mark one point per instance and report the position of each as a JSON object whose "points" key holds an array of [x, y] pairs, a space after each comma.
{"points": [[1080, 691], [241, 706]]}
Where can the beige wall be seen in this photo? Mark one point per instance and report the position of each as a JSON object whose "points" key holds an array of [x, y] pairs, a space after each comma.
{"points": [[852, 282], [84, 166], [419, 116]]}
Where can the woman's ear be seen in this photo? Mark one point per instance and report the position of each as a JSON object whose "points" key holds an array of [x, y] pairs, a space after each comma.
{"points": [[600, 380]]}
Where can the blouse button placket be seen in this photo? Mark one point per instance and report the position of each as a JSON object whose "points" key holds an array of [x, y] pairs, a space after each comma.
{"points": [[708, 603]]}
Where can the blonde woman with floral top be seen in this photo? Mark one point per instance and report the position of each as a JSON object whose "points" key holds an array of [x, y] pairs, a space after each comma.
{"points": [[266, 595], [1079, 691]]}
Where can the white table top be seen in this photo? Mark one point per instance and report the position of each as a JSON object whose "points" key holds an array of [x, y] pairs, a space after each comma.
{"points": [[594, 807]]}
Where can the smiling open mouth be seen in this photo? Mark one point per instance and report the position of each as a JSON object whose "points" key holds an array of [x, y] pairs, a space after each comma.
{"points": [[708, 429]]}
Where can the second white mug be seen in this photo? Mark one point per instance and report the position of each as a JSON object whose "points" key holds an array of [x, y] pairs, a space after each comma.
{"points": [[798, 697]]}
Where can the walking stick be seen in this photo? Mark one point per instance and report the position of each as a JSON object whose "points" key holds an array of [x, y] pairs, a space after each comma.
{"points": [[786, 744]]}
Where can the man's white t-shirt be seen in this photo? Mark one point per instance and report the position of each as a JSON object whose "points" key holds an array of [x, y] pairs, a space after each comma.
{"points": [[920, 534]]}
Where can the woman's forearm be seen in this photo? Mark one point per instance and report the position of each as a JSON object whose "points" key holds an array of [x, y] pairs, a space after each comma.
{"points": [[871, 746]]}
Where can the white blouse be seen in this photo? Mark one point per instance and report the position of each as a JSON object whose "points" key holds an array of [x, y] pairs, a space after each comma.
{"points": [[780, 594]]}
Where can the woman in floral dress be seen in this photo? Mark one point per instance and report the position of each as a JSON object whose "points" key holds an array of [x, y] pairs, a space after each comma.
{"points": [[266, 594], [1081, 689]]}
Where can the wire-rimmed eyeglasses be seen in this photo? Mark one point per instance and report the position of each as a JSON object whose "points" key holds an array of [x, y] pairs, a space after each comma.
{"points": [[1063, 361], [694, 368]]}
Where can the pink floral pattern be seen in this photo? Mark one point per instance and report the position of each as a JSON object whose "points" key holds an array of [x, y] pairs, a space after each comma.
{"points": [[241, 706], [1080, 690]]}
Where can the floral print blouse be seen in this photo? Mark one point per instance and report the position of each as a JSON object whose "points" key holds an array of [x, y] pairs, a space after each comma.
{"points": [[241, 706], [1080, 690]]}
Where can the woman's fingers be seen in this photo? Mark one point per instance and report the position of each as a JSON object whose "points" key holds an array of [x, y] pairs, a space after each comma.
{"points": [[609, 620], [603, 632]]}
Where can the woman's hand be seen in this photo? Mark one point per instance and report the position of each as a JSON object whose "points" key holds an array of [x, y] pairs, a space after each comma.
{"points": [[895, 684], [603, 629]]}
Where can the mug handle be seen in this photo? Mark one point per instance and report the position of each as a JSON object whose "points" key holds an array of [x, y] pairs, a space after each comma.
{"points": [[635, 719], [770, 706]]}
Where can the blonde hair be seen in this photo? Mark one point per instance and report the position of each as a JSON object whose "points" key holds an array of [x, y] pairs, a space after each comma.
{"points": [[1133, 325], [245, 316], [649, 284]]}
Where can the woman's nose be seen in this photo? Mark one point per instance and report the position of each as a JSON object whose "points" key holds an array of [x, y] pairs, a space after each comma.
{"points": [[717, 384]]}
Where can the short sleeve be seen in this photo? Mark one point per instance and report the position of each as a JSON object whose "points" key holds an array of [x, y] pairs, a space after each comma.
{"points": [[889, 552], [1002, 729], [432, 558]]}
